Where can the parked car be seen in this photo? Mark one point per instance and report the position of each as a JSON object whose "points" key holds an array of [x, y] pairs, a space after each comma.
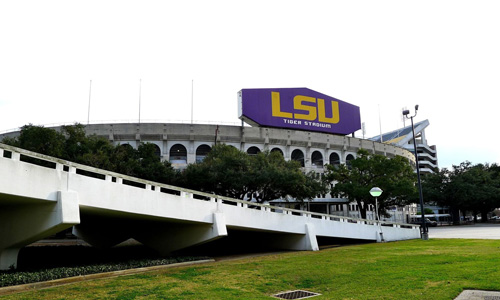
{"points": [[428, 222]]}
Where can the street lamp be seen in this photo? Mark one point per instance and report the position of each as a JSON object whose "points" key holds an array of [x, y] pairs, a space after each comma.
{"points": [[376, 192], [425, 233]]}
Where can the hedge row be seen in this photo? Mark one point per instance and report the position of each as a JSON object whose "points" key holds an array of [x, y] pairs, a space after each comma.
{"points": [[9, 278]]}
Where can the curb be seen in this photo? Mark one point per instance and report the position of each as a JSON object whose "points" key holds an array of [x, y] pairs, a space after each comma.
{"points": [[63, 281], [478, 295]]}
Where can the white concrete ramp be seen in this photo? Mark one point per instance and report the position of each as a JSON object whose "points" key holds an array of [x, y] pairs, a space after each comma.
{"points": [[41, 195]]}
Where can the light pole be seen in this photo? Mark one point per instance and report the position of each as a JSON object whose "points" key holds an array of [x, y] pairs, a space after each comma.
{"points": [[376, 192], [425, 233]]}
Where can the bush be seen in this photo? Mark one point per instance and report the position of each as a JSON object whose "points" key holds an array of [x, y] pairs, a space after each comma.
{"points": [[12, 277]]}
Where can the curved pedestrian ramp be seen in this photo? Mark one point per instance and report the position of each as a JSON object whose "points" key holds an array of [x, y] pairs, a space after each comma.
{"points": [[42, 195]]}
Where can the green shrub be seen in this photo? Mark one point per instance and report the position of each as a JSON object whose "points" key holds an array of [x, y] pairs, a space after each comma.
{"points": [[12, 277]]}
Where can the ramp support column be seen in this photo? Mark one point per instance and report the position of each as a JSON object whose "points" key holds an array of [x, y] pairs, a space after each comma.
{"points": [[299, 242], [21, 225], [169, 237], [311, 241]]}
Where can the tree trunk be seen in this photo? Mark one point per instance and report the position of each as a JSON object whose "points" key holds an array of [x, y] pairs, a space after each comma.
{"points": [[362, 210], [455, 213], [484, 216]]}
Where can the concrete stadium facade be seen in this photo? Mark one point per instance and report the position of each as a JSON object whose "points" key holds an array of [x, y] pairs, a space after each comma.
{"points": [[183, 144]]}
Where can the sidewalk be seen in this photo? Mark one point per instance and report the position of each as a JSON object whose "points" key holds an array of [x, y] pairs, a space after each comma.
{"points": [[476, 231], [478, 295]]}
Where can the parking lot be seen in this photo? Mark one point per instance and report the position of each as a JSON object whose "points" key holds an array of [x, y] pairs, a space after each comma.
{"points": [[475, 231]]}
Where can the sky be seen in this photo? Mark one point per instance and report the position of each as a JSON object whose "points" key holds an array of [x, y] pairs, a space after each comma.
{"points": [[160, 56]]}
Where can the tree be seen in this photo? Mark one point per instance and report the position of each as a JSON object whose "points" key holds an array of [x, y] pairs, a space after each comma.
{"points": [[76, 142], [74, 145], [434, 187], [271, 177], [475, 188], [39, 139], [466, 187], [150, 166], [99, 153], [394, 176], [265, 176], [222, 172]]}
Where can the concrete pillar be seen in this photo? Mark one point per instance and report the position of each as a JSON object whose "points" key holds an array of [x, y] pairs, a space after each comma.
{"points": [[191, 153], [310, 238], [170, 237], [298, 242], [187, 195], [164, 149], [21, 225], [16, 156], [8, 258], [307, 159], [379, 235], [288, 153]]}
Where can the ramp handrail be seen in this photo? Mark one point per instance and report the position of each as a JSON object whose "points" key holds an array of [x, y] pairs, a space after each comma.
{"points": [[10, 152]]}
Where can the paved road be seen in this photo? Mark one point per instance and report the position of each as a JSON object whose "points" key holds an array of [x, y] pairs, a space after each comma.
{"points": [[477, 231]]}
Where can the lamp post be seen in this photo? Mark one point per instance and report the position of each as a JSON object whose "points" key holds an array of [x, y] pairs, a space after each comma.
{"points": [[376, 192], [425, 233]]}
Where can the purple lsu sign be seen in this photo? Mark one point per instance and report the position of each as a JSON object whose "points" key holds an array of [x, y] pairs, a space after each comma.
{"points": [[298, 108]]}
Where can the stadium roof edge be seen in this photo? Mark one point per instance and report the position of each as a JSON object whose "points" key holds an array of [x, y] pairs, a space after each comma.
{"points": [[400, 136]]}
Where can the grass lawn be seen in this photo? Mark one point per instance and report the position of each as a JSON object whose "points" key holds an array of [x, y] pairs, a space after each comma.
{"points": [[434, 269]]}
